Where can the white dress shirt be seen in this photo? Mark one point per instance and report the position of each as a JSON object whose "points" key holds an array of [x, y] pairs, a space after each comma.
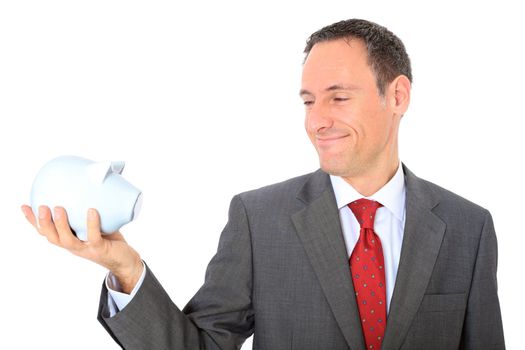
{"points": [[389, 226], [117, 300], [389, 222]]}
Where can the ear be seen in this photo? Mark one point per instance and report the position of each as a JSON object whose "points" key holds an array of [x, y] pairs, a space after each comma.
{"points": [[117, 167], [98, 171], [400, 94]]}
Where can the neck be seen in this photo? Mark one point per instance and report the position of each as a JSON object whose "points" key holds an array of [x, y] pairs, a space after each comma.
{"points": [[372, 179]]}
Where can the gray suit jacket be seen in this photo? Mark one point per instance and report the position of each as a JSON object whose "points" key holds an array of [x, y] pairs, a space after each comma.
{"points": [[281, 271]]}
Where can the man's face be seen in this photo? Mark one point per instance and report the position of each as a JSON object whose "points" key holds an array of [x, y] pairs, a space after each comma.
{"points": [[350, 125]]}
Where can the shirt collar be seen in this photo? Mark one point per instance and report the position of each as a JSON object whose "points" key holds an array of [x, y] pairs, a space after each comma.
{"points": [[392, 195]]}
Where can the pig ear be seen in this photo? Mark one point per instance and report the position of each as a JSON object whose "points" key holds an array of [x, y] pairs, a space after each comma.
{"points": [[117, 167], [97, 172]]}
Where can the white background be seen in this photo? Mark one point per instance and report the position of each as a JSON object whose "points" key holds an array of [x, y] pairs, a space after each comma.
{"points": [[201, 101]]}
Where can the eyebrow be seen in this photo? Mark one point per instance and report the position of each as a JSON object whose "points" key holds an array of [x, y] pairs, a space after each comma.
{"points": [[330, 88]]}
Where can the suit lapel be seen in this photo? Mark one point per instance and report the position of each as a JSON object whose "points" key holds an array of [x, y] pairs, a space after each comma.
{"points": [[421, 242], [319, 230]]}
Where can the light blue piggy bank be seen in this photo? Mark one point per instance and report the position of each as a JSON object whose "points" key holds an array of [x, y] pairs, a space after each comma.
{"points": [[78, 184]]}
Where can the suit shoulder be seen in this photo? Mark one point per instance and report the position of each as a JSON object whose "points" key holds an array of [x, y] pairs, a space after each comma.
{"points": [[286, 188], [455, 202]]}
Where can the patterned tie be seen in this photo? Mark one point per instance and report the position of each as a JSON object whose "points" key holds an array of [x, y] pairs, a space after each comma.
{"points": [[368, 274]]}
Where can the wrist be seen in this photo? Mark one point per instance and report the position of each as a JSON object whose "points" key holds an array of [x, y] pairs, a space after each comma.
{"points": [[128, 277]]}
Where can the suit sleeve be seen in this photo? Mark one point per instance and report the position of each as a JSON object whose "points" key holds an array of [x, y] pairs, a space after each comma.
{"points": [[483, 327], [219, 316]]}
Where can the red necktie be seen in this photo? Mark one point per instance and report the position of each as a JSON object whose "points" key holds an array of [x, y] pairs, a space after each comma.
{"points": [[368, 274]]}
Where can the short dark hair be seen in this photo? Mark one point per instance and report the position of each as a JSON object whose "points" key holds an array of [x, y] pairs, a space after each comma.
{"points": [[386, 53]]}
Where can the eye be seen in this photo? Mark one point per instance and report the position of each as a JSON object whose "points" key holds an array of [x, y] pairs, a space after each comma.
{"points": [[341, 99], [308, 103]]}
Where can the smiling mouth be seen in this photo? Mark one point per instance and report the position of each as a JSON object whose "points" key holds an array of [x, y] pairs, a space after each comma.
{"points": [[323, 141], [331, 138]]}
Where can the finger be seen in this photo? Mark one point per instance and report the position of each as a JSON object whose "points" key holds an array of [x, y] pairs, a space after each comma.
{"points": [[66, 237], [28, 213], [93, 225], [46, 226]]}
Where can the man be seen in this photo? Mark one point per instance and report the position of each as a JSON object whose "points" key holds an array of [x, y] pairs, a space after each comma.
{"points": [[359, 254]]}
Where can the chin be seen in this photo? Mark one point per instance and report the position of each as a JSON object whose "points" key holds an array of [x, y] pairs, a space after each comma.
{"points": [[335, 166], [333, 169]]}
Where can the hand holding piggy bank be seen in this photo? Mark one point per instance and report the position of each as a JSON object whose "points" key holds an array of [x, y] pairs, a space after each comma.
{"points": [[77, 184]]}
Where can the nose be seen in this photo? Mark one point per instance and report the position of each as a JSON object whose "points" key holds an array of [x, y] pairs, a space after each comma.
{"points": [[317, 118]]}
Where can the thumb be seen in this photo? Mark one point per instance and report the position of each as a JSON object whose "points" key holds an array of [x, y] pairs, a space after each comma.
{"points": [[93, 225]]}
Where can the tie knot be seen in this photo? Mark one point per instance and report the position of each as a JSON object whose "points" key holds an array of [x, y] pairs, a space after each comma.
{"points": [[365, 211]]}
